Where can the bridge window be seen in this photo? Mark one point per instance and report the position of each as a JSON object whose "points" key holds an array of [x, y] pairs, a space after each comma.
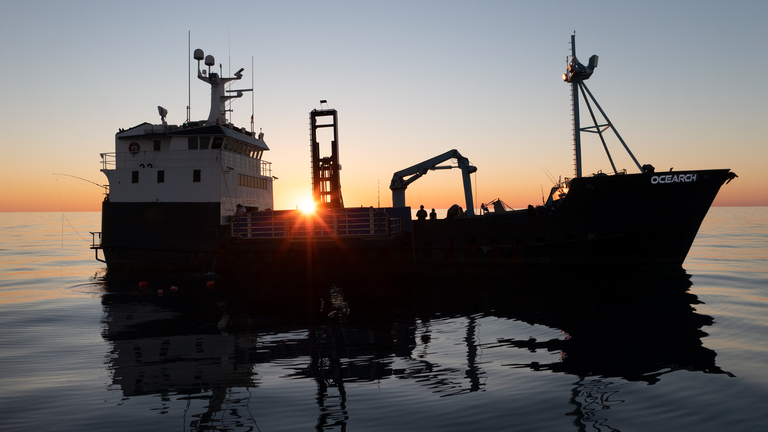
{"points": [[156, 145], [192, 143], [204, 141], [252, 181]]}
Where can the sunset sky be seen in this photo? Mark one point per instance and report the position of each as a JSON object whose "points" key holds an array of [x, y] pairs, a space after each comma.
{"points": [[683, 82]]}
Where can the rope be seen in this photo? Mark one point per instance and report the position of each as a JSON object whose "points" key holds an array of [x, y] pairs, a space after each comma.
{"points": [[64, 216]]}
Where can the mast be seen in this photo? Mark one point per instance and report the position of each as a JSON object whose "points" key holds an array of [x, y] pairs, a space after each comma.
{"points": [[575, 113], [189, 76], [575, 74], [219, 98]]}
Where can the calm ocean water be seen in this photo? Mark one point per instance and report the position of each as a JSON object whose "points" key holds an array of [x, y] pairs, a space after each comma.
{"points": [[663, 352]]}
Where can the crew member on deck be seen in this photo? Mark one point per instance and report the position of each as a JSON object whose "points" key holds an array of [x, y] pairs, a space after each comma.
{"points": [[240, 210], [421, 214], [432, 215]]}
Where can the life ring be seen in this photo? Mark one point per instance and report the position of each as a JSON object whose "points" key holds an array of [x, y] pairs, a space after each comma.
{"points": [[134, 148]]}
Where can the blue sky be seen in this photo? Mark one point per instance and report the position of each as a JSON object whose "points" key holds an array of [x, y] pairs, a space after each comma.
{"points": [[682, 81]]}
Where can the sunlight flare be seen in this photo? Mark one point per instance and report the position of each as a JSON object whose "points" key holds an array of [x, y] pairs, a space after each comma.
{"points": [[307, 207]]}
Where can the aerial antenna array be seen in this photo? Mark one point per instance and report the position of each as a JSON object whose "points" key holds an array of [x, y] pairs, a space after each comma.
{"points": [[220, 86]]}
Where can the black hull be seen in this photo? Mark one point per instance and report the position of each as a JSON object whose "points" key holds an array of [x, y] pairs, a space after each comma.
{"points": [[161, 236], [623, 220], [605, 222]]}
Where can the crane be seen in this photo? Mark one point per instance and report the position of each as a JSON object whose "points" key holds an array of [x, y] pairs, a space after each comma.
{"points": [[400, 182]]}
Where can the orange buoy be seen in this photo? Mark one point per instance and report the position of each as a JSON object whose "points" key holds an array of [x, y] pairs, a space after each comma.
{"points": [[174, 288], [210, 284], [143, 285], [159, 292]]}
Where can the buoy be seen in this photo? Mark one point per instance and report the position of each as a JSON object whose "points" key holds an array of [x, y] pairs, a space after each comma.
{"points": [[143, 285], [159, 292], [174, 288], [210, 284]]}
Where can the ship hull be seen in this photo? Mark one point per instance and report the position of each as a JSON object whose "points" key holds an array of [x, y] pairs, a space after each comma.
{"points": [[623, 220], [161, 236], [604, 222]]}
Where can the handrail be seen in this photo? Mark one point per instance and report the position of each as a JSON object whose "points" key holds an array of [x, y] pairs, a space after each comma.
{"points": [[93, 239], [108, 160], [122, 160], [326, 223]]}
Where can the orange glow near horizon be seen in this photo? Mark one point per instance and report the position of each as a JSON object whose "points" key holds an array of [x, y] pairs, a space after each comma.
{"points": [[69, 195]]}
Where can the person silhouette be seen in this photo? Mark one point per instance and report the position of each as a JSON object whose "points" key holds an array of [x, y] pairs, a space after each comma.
{"points": [[421, 214]]}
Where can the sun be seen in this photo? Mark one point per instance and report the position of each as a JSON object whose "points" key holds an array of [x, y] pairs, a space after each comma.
{"points": [[307, 207]]}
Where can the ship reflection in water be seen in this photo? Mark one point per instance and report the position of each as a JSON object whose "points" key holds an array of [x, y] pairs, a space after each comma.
{"points": [[212, 350]]}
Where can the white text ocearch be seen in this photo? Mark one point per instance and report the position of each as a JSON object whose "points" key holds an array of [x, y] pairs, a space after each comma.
{"points": [[673, 178]]}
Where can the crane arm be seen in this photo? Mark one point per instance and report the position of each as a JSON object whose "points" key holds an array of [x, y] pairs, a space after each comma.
{"points": [[403, 178]]}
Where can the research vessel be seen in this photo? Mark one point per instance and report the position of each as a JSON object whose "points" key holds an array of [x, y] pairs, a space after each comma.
{"points": [[199, 197]]}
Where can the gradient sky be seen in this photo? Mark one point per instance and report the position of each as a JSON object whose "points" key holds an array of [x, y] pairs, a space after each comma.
{"points": [[683, 82]]}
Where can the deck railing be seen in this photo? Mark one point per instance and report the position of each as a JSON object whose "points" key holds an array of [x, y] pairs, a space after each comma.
{"points": [[95, 239], [96, 245], [174, 158], [328, 223]]}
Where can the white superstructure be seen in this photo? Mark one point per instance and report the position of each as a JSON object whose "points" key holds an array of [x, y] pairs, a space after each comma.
{"points": [[209, 161]]}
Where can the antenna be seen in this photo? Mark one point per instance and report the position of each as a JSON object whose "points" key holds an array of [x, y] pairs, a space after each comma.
{"points": [[189, 74], [252, 92], [229, 54], [229, 71]]}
